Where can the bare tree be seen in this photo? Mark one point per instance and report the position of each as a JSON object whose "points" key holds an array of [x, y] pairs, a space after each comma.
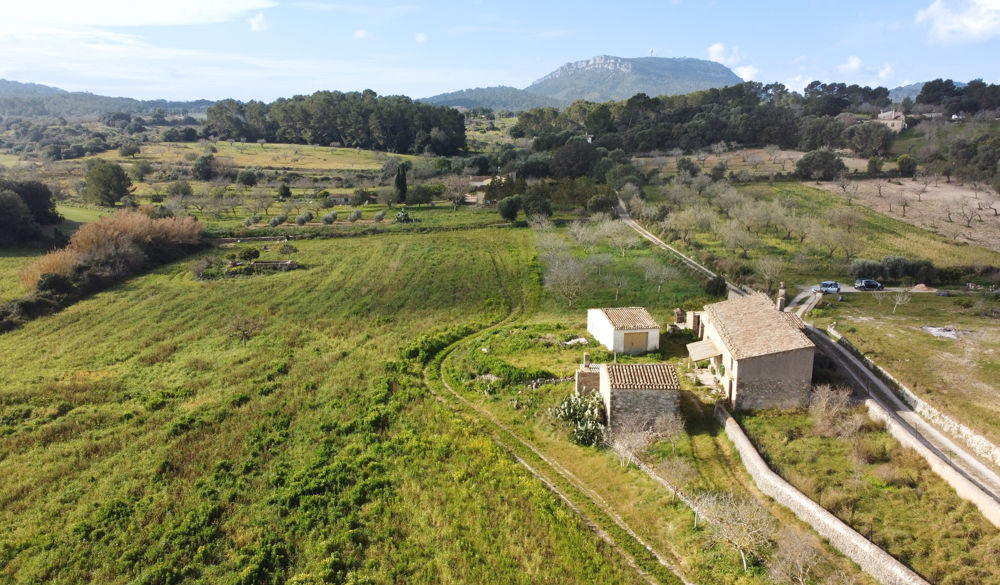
{"points": [[600, 262], [628, 437], [741, 522], [851, 247], [827, 238], [669, 426], [736, 236], [796, 559], [566, 276], [880, 295], [826, 406], [540, 223], [769, 268], [900, 298], [661, 274], [879, 186], [677, 472], [616, 280], [244, 327], [969, 213], [846, 217], [619, 235]]}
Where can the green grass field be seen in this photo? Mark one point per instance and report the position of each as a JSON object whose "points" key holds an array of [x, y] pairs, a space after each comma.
{"points": [[141, 442], [12, 260]]}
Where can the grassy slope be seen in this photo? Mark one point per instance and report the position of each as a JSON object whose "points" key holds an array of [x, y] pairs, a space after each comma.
{"points": [[958, 376], [882, 236], [139, 441]]}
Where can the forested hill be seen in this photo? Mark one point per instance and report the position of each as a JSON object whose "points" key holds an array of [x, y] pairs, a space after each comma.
{"points": [[32, 99], [501, 97], [605, 78]]}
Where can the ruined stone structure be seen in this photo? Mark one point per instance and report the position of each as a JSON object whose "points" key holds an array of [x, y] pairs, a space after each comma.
{"points": [[640, 392], [760, 354], [588, 377]]}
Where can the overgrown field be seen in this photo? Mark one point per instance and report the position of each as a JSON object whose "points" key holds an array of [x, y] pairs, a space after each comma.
{"points": [[140, 440], [945, 349], [885, 492]]}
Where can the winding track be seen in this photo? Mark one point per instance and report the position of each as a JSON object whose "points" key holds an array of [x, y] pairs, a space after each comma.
{"points": [[548, 471]]}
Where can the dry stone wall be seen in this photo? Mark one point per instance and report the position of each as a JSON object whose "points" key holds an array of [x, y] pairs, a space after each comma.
{"points": [[872, 559], [641, 405]]}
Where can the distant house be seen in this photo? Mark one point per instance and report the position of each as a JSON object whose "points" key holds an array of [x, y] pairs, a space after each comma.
{"points": [[340, 199], [629, 330], [638, 393], [893, 119], [761, 355]]}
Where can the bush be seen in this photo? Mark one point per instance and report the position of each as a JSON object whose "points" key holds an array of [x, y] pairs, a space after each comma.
{"points": [[248, 254], [716, 286], [287, 248], [402, 216], [330, 217], [585, 415], [508, 207], [907, 165], [379, 216], [355, 216], [278, 220], [823, 163], [304, 218]]}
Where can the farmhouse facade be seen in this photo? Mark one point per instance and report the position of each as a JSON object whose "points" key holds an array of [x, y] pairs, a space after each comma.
{"points": [[761, 355], [630, 330], [893, 119]]}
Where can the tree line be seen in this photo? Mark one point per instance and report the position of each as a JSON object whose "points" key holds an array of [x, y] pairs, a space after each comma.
{"points": [[354, 119]]}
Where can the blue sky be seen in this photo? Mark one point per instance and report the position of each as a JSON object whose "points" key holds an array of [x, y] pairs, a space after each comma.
{"points": [[265, 49]]}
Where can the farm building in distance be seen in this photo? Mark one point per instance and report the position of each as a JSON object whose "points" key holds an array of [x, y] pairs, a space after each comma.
{"points": [[760, 354], [630, 330]]}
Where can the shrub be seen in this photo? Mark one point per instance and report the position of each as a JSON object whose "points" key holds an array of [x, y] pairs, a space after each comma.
{"points": [[716, 286], [248, 254], [402, 216], [823, 163], [379, 216], [287, 248], [355, 216], [278, 220], [907, 165], [54, 284], [330, 217], [584, 414]]}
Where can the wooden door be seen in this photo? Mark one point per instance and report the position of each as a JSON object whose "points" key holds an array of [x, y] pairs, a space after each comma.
{"points": [[635, 342]]}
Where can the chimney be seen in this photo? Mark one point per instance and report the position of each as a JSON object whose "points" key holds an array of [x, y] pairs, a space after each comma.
{"points": [[586, 359], [781, 297]]}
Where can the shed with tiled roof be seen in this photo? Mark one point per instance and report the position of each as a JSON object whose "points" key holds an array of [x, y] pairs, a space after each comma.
{"points": [[630, 330], [638, 393], [761, 355]]}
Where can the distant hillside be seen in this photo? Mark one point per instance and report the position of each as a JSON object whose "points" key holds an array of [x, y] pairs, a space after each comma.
{"points": [[32, 99], [607, 78], [496, 98], [600, 79], [912, 91]]}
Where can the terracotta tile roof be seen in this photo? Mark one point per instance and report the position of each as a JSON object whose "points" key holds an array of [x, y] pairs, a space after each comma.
{"points": [[751, 326], [630, 318], [652, 376]]}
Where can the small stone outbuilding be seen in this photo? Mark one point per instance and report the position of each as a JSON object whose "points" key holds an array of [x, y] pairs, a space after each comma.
{"points": [[630, 330], [638, 392], [761, 355]]}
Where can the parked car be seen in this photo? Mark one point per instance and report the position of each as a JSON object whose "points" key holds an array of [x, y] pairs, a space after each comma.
{"points": [[867, 284], [827, 286]]}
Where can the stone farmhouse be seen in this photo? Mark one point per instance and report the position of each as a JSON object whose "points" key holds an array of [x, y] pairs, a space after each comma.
{"points": [[630, 330], [638, 393], [761, 355], [893, 119]]}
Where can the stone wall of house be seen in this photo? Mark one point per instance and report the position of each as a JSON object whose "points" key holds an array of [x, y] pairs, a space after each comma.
{"points": [[641, 405], [588, 380], [781, 380], [872, 559]]}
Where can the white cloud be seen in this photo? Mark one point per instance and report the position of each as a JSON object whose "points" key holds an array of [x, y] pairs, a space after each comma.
{"points": [[420, 37], [747, 72], [116, 13], [884, 72], [961, 21], [362, 34], [258, 23], [853, 65]]}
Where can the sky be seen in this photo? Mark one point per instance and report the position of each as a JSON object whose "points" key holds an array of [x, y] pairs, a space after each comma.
{"points": [[266, 49]]}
